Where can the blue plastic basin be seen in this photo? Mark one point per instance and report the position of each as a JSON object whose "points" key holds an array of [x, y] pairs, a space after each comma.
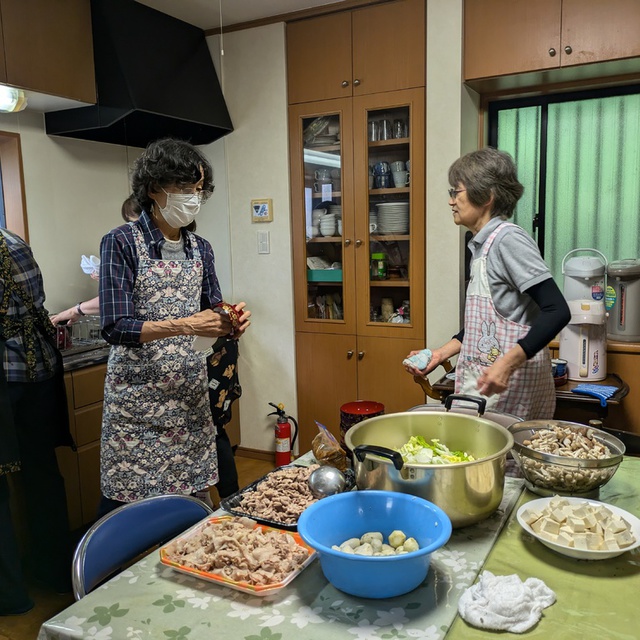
{"points": [[335, 519]]}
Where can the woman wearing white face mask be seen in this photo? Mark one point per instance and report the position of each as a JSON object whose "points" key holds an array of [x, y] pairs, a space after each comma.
{"points": [[157, 289]]}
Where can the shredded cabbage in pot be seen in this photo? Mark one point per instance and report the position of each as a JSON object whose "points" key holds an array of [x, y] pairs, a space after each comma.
{"points": [[420, 451]]}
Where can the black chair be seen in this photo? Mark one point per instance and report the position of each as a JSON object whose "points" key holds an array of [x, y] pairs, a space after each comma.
{"points": [[124, 534]]}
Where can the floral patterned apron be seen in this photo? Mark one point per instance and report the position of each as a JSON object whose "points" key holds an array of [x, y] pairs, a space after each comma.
{"points": [[157, 432], [489, 335]]}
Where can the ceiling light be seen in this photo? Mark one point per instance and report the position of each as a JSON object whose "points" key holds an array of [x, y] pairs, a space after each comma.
{"points": [[11, 99]]}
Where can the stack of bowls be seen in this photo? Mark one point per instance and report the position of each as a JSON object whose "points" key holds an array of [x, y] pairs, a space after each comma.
{"points": [[328, 224]]}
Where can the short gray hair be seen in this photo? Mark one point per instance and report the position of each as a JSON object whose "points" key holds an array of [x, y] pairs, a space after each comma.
{"points": [[488, 172]]}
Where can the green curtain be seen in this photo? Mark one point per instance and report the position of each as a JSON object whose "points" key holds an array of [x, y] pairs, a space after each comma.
{"points": [[592, 174]]}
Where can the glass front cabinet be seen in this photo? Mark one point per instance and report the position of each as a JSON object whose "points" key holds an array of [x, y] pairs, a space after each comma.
{"points": [[357, 184]]}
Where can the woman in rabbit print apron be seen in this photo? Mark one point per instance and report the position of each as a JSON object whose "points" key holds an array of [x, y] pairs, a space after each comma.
{"points": [[513, 307], [157, 287]]}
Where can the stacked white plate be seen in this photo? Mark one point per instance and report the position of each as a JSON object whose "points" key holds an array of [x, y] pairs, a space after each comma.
{"points": [[393, 218]]}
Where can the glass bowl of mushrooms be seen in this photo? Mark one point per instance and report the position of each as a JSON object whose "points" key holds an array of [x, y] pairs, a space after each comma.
{"points": [[565, 458]]}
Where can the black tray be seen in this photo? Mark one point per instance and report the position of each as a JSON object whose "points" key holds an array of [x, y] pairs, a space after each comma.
{"points": [[231, 503]]}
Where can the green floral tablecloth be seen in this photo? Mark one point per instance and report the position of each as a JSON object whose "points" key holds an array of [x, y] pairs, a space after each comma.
{"points": [[150, 600], [596, 598]]}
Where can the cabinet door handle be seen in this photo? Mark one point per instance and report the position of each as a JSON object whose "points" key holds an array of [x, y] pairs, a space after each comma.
{"points": [[360, 355], [349, 355], [552, 52], [568, 50], [347, 242], [356, 83], [345, 83], [358, 243]]}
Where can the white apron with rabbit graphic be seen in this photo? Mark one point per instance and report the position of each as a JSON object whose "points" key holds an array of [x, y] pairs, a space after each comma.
{"points": [[489, 335]]}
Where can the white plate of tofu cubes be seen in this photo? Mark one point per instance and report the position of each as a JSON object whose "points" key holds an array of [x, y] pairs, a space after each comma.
{"points": [[580, 528]]}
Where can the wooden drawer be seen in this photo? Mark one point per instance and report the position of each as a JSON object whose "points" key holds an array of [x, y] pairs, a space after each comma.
{"points": [[88, 424], [88, 385]]}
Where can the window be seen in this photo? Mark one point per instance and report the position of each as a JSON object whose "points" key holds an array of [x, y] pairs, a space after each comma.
{"points": [[578, 157]]}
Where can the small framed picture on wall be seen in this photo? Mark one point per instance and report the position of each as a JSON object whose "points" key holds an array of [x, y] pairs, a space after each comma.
{"points": [[261, 210]]}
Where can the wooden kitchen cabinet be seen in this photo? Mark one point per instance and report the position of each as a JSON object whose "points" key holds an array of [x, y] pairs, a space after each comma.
{"points": [[81, 469], [48, 47], [504, 37], [346, 348], [335, 369], [363, 51]]}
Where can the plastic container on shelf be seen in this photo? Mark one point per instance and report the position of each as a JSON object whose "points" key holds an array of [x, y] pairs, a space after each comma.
{"points": [[379, 266]]}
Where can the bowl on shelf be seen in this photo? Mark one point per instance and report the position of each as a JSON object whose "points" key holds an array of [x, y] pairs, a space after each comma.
{"points": [[335, 519], [549, 473]]}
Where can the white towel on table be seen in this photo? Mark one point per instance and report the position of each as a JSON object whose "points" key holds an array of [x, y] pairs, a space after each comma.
{"points": [[505, 603]]}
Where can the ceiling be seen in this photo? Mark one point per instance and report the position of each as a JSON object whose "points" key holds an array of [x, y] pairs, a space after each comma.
{"points": [[206, 13]]}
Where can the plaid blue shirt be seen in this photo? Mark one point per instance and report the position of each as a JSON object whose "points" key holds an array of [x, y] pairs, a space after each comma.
{"points": [[118, 271], [27, 274]]}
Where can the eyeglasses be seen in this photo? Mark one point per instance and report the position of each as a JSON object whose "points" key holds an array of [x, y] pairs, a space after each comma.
{"points": [[453, 193], [202, 195]]}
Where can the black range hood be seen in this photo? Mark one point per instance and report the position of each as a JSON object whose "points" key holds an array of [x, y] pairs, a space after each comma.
{"points": [[154, 78]]}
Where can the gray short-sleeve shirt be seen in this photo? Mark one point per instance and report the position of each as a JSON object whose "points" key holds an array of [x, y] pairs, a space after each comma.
{"points": [[514, 264]]}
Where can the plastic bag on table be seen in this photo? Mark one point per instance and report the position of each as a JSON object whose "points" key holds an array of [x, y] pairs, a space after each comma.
{"points": [[327, 450]]}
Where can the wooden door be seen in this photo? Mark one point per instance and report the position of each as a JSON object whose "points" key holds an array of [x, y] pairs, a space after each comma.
{"points": [[595, 30], [406, 250], [49, 47], [305, 157], [326, 379], [89, 473], [503, 37], [389, 47], [381, 376], [319, 58]]}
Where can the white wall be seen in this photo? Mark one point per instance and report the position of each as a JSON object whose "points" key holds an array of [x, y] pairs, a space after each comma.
{"points": [[74, 191], [253, 76]]}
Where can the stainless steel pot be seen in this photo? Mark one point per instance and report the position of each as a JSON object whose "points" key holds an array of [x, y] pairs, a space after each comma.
{"points": [[467, 491]]}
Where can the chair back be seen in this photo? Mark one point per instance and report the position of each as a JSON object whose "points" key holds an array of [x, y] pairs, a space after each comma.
{"points": [[129, 531]]}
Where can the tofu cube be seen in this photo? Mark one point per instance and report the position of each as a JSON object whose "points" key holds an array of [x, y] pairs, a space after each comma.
{"points": [[580, 541], [559, 515], [550, 526]]}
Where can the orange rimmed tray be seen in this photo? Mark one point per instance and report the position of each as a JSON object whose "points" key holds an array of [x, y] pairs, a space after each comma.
{"points": [[256, 590]]}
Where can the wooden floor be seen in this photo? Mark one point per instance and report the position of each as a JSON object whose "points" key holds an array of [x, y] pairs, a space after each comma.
{"points": [[26, 627]]}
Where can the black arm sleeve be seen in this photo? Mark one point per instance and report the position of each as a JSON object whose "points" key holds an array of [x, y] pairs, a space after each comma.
{"points": [[554, 315], [459, 336]]}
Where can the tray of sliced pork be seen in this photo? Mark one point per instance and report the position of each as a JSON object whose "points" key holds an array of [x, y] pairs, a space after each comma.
{"points": [[239, 553], [277, 499]]}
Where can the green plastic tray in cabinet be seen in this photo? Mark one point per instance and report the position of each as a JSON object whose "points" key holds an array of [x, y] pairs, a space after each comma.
{"points": [[324, 275]]}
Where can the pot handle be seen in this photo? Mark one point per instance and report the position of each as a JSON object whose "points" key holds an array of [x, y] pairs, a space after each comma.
{"points": [[362, 449], [451, 398]]}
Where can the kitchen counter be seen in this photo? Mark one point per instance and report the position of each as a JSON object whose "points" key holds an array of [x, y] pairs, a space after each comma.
{"points": [[85, 355]]}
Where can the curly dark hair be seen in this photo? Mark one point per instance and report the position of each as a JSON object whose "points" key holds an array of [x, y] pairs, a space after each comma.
{"points": [[165, 162], [488, 172]]}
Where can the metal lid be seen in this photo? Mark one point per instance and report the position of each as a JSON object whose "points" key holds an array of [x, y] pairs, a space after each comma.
{"points": [[624, 268]]}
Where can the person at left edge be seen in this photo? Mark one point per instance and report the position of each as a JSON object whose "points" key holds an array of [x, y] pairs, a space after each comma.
{"points": [[33, 421], [157, 288]]}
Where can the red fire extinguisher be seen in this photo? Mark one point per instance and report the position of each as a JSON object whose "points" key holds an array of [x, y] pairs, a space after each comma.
{"points": [[284, 442]]}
